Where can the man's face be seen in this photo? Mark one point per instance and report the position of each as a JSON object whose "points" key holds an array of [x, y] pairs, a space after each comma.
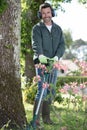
{"points": [[46, 14]]}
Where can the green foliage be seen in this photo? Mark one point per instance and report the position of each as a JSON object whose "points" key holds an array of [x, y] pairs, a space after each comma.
{"points": [[28, 19], [58, 98], [61, 1], [29, 93], [10, 126], [65, 119], [68, 38], [68, 79], [83, 1], [3, 6]]}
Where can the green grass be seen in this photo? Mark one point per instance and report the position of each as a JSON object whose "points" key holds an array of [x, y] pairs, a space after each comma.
{"points": [[65, 119]]}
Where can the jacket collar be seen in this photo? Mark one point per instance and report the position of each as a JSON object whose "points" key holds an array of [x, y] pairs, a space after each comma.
{"points": [[42, 24]]}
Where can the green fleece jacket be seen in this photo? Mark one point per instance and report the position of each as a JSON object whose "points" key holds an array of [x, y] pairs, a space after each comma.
{"points": [[47, 43]]}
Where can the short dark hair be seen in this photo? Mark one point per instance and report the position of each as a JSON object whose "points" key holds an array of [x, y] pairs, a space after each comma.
{"points": [[45, 5]]}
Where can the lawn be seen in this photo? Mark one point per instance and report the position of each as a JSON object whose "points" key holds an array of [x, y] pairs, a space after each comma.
{"points": [[66, 119]]}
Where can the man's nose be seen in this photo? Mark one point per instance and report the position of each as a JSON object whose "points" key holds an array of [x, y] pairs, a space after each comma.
{"points": [[46, 15]]}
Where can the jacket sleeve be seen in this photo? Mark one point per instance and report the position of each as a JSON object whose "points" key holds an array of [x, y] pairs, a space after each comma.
{"points": [[61, 48], [37, 41]]}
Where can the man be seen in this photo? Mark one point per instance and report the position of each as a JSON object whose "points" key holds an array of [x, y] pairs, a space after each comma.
{"points": [[47, 42]]}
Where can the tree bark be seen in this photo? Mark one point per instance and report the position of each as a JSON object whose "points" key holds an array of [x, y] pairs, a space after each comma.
{"points": [[11, 104], [29, 64]]}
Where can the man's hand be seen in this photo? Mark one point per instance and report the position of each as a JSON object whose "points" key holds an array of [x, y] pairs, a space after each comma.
{"points": [[43, 59], [55, 58]]}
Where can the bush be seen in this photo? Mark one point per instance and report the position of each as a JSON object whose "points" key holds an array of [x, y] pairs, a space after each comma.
{"points": [[67, 79], [30, 91]]}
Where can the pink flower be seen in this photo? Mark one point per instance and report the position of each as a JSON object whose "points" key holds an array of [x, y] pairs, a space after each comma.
{"points": [[83, 67], [63, 91], [36, 78], [76, 61], [41, 66], [57, 66], [45, 85], [66, 87], [73, 84], [75, 90], [60, 66], [84, 98], [82, 86]]}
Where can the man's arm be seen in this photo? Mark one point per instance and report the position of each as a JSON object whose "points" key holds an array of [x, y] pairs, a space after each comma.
{"points": [[37, 41], [61, 47]]}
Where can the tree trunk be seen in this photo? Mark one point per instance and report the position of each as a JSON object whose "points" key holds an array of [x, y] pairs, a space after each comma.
{"points": [[29, 64], [11, 104]]}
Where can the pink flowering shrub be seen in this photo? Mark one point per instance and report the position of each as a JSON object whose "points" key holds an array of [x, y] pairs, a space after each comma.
{"points": [[83, 67], [57, 65], [60, 66], [76, 94]]}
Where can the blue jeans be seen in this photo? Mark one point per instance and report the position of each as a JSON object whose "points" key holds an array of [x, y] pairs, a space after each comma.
{"points": [[51, 79]]}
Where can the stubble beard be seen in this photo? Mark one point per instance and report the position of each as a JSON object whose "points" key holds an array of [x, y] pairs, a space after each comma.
{"points": [[47, 20]]}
